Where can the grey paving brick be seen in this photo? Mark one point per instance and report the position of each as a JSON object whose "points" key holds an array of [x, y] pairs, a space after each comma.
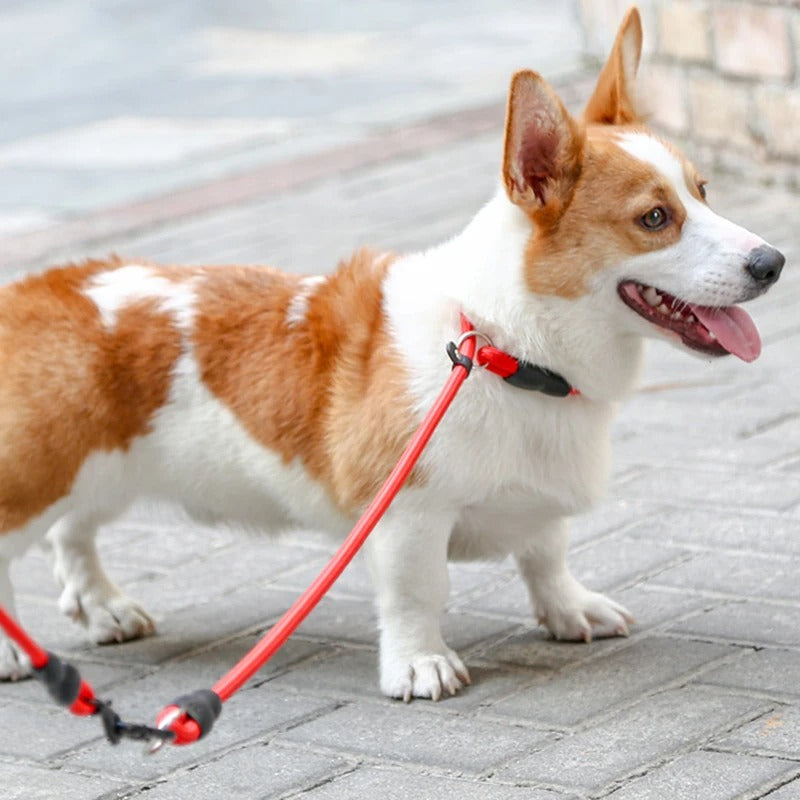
{"points": [[653, 607], [602, 566], [703, 529], [350, 672], [573, 695], [39, 732], [750, 489], [355, 621], [534, 647], [633, 739], [256, 772], [789, 791], [706, 775], [775, 672], [710, 449], [744, 575], [392, 784], [417, 735], [617, 561], [750, 622], [169, 547], [777, 733], [613, 513], [30, 782], [245, 562], [101, 677], [355, 581]]}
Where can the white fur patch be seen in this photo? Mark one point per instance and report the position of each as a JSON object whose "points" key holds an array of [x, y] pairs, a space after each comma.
{"points": [[200, 455], [113, 290], [298, 307], [647, 148]]}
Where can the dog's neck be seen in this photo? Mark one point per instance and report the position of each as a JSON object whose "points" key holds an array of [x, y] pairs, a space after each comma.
{"points": [[480, 272]]}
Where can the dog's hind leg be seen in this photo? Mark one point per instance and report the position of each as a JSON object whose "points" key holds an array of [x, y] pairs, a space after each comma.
{"points": [[560, 601], [88, 595], [14, 664]]}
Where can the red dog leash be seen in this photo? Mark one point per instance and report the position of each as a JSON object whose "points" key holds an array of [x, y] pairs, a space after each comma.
{"points": [[191, 716]]}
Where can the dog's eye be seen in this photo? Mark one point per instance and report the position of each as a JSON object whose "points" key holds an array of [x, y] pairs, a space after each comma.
{"points": [[701, 187], [655, 219]]}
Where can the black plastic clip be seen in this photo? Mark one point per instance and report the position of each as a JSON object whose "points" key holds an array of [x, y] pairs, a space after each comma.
{"points": [[203, 706], [538, 379], [116, 730], [62, 680], [458, 358]]}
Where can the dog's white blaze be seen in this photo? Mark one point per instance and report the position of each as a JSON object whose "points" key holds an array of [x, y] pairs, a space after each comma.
{"points": [[647, 148], [699, 216], [116, 289], [298, 306]]}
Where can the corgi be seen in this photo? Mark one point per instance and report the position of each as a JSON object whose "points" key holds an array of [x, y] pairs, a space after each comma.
{"points": [[272, 399]]}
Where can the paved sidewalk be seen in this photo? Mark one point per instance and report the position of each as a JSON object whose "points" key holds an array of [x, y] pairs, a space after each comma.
{"points": [[699, 536]]}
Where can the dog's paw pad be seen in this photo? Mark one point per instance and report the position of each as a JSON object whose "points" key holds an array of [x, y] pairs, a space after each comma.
{"points": [[430, 675], [14, 664]]}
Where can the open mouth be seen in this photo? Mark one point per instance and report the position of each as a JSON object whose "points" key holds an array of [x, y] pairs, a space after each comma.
{"points": [[713, 331]]}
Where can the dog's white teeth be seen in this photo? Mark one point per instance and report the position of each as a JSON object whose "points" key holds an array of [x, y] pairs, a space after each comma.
{"points": [[662, 309], [712, 334], [676, 316], [652, 296]]}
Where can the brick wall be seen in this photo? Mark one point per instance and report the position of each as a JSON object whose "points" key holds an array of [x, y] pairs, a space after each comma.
{"points": [[722, 76]]}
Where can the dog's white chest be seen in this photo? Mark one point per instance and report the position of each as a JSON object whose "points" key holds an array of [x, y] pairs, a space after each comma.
{"points": [[523, 451]]}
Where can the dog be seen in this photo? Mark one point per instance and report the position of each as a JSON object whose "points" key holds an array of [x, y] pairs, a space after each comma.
{"points": [[268, 398]]}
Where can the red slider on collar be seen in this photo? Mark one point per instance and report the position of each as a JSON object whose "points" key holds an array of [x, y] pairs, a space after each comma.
{"points": [[515, 371]]}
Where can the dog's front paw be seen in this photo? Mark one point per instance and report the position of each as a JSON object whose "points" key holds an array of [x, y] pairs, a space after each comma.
{"points": [[578, 614], [14, 664], [429, 675], [108, 618]]}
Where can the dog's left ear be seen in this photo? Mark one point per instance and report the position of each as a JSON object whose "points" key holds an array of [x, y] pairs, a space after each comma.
{"points": [[613, 100], [543, 145]]}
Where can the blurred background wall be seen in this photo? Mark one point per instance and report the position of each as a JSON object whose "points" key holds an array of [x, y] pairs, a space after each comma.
{"points": [[722, 75]]}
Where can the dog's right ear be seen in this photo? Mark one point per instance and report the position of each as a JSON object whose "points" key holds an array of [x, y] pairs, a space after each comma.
{"points": [[613, 100], [543, 145]]}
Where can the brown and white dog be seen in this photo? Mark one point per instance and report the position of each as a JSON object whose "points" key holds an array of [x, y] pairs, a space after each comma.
{"points": [[267, 398]]}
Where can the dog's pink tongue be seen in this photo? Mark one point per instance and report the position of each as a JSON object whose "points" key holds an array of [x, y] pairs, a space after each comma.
{"points": [[734, 330]]}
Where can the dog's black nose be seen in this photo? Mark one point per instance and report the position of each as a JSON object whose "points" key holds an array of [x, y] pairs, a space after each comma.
{"points": [[765, 264]]}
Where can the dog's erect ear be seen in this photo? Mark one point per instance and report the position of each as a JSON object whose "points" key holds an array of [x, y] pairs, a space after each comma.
{"points": [[613, 100], [543, 145]]}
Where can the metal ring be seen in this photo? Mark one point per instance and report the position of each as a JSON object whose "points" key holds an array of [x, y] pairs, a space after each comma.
{"points": [[477, 335], [164, 725], [470, 334]]}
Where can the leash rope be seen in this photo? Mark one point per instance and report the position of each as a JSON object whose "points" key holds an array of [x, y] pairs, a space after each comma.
{"points": [[190, 717]]}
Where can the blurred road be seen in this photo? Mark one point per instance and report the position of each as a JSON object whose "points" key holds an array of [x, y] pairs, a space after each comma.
{"points": [[107, 101]]}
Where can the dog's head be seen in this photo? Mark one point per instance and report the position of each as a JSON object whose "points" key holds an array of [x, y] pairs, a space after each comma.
{"points": [[619, 213]]}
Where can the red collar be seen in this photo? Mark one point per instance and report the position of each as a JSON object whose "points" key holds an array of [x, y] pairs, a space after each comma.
{"points": [[515, 371]]}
